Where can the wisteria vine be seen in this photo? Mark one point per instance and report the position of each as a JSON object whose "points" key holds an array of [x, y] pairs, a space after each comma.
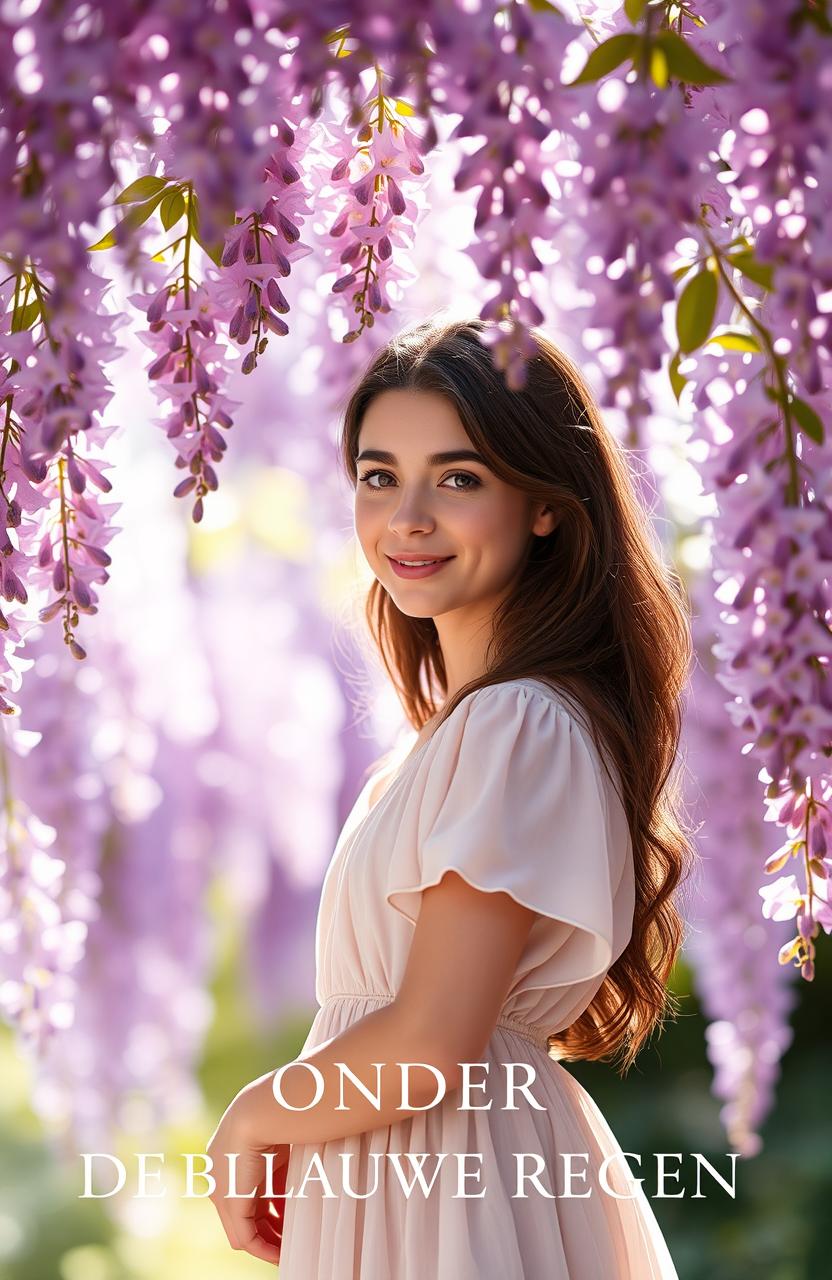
{"points": [[670, 153]]}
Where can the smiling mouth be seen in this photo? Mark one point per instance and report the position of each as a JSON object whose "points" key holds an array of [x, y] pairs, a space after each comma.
{"points": [[418, 564], [421, 569]]}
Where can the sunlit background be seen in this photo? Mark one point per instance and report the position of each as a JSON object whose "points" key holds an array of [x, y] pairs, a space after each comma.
{"points": [[230, 705]]}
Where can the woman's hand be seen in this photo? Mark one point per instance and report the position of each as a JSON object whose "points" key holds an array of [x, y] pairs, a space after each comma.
{"points": [[254, 1224], [269, 1211]]}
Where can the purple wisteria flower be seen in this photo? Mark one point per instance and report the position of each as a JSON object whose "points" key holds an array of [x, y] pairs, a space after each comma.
{"points": [[261, 247], [679, 177], [500, 71], [746, 995], [53, 468], [187, 375], [371, 208]]}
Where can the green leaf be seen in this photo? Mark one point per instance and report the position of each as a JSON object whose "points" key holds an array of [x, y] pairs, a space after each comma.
{"points": [[685, 63], [26, 317], [695, 311], [172, 209], [677, 382], [761, 273], [141, 189], [606, 57], [658, 67], [820, 20], [107, 241], [160, 256], [214, 251], [735, 340], [679, 272], [634, 9], [544, 6], [133, 219], [807, 419]]}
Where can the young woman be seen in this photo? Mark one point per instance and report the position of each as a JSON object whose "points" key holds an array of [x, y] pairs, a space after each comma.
{"points": [[502, 893]]}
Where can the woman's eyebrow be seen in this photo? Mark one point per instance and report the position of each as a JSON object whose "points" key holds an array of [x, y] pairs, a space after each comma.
{"points": [[432, 459]]}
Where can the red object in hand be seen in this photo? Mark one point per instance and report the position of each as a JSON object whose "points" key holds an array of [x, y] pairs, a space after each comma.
{"points": [[270, 1211]]}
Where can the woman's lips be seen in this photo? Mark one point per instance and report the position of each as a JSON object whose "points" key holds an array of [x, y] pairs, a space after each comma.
{"points": [[417, 571]]}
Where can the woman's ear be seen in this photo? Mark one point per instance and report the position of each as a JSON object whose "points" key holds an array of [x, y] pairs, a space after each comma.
{"points": [[545, 521]]}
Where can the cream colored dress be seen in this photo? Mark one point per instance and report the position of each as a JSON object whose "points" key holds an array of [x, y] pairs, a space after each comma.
{"points": [[510, 792]]}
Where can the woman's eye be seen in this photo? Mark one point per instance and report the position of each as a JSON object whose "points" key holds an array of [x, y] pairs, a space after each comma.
{"points": [[365, 479], [464, 475], [473, 482]]}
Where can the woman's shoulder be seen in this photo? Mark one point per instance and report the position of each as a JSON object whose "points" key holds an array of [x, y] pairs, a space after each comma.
{"points": [[522, 707], [521, 691], [525, 712]]}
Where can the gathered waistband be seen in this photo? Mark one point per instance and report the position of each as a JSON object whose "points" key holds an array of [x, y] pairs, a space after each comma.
{"points": [[508, 1022]]}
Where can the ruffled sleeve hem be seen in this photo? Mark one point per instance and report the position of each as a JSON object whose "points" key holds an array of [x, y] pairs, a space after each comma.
{"points": [[508, 793]]}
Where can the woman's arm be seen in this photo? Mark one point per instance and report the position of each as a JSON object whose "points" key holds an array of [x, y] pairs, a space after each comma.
{"points": [[463, 956]]}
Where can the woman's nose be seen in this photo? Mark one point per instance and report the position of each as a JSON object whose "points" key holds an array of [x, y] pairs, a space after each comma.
{"points": [[411, 514]]}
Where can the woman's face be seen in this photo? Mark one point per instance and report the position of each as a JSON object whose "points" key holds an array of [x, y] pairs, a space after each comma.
{"points": [[411, 506]]}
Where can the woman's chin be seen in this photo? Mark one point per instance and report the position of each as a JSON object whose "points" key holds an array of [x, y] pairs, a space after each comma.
{"points": [[411, 610]]}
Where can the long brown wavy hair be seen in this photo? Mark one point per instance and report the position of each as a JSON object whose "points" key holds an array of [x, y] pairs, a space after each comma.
{"points": [[595, 613]]}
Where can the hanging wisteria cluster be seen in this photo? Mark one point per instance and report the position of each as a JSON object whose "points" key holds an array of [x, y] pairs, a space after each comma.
{"points": [[670, 152], [746, 995]]}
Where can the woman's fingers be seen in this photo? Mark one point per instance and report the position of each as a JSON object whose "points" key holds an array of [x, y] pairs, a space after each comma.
{"points": [[253, 1223], [263, 1249], [257, 1236], [253, 1241], [271, 1209]]}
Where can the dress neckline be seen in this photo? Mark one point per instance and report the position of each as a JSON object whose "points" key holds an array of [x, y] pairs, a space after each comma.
{"points": [[394, 768]]}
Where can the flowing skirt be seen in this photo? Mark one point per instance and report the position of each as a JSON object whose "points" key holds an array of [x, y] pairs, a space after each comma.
{"points": [[491, 1223]]}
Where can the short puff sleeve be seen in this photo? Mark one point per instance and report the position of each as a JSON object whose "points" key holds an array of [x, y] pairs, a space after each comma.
{"points": [[508, 793]]}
